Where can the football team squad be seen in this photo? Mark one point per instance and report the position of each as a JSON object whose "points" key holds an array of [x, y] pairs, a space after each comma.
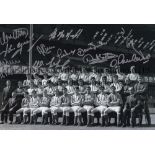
{"points": [[79, 97]]}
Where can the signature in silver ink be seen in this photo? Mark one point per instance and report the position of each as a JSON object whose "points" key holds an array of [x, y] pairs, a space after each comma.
{"points": [[62, 34]]}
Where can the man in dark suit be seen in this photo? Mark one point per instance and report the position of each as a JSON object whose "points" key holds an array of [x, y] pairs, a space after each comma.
{"points": [[133, 106], [141, 90], [6, 94], [11, 107]]}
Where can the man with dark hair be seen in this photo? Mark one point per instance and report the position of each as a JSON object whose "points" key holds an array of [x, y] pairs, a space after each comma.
{"points": [[141, 92], [76, 102], [84, 76], [27, 82], [44, 80], [12, 106], [20, 91], [88, 105], [55, 104], [59, 86], [132, 107], [82, 89], [43, 108], [101, 105], [104, 84], [74, 76], [133, 76], [94, 75], [64, 75], [6, 94], [65, 107], [50, 89], [118, 85], [33, 105], [114, 105], [70, 87], [130, 102], [120, 75], [22, 113], [107, 74], [36, 80], [93, 86]]}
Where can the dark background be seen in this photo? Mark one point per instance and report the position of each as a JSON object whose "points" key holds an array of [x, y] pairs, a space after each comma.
{"points": [[145, 31]]}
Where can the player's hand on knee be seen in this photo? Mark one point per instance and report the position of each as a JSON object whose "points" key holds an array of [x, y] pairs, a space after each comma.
{"points": [[10, 110], [132, 109]]}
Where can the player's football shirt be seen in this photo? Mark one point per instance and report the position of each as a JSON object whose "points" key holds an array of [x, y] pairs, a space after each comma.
{"points": [[76, 98], [133, 76], [114, 98], [44, 82], [39, 91], [65, 99], [102, 99], [106, 88], [94, 88], [70, 89], [64, 76], [118, 86], [50, 90], [121, 76], [88, 98], [82, 89], [34, 102], [36, 81], [84, 77], [94, 75], [60, 88], [30, 90], [74, 77], [45, 101], [108, 76], [25, 103], [127, 88], [26, 82], [54, 79], [55, 100]]}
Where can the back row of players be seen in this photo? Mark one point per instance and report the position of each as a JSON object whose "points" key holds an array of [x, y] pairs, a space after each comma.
{"points": [[78, 93], [65, 75]]}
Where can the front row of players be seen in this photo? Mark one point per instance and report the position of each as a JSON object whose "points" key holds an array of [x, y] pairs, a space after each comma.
{"points": [[77, 104]]}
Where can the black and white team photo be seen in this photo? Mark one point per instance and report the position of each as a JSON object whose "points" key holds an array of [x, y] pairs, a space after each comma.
{"points": [[77, 76]]}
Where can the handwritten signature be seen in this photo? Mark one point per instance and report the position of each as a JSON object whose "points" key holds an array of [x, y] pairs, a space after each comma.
{"points": [[10, 62], [61, 34], [124, 38], [58, 63], [44, 50], [18, 48], [99, 58], [121, 60], [115, 60], [16, 34]]}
